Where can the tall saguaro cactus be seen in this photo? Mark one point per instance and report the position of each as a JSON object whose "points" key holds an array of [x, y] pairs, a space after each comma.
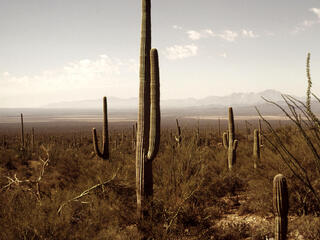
{"points": [[256, 148], [148, 130], [104, 154], [232, 142], [280, 205]]}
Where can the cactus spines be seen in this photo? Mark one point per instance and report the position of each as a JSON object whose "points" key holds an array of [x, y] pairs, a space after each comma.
{"points": [[104, 154], [232, 142], [256, 148], [148, 130], [280, 205]]}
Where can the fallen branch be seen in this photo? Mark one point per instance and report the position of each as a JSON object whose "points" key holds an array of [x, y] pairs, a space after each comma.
{"points": [[86, 192]]}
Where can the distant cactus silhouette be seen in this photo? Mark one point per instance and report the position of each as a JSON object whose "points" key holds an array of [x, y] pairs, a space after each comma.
{"points": [[260, 133], [22, 132], [134, 135], [32, 139], [148, 131], [178, 138], [104, 154], [256, 148], [280, 205], [232, 142]]}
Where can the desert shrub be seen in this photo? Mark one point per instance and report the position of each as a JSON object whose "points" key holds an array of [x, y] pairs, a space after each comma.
{"points": [[308, 227]]}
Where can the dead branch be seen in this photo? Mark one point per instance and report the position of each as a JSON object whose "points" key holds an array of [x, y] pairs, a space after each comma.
{"points": [[28, 184], [86, 192]]}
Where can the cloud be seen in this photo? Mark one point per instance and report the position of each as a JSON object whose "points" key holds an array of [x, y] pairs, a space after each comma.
{"points": [[177, 27], [194, 35], [181, 51], [229, 35], [98, 73], [248, 34], [209, 32], [315, 11], [307, 23], [226, 35]]}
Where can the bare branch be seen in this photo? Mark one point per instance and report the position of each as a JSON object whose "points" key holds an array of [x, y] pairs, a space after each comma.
{"points": [[87, 191]]}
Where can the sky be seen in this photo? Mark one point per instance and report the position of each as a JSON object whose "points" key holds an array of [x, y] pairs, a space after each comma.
{"points": [[58, 50]]}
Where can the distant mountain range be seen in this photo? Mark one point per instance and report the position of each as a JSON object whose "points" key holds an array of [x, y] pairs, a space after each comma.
{"points": [[126, 109], [235, 99]]}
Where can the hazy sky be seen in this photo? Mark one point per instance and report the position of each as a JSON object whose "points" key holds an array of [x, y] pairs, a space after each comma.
{"points": [[64, 50]]}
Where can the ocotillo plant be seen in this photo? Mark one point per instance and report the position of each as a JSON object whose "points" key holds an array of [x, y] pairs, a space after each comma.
{"points": [[232, 142], [148, 131], [219, 127], [22, 132], [280, 205], [104, 154], [256, 148], [178, 138]]}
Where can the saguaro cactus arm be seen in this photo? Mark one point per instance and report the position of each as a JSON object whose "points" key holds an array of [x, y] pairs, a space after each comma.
{"points": [[235, 145], [280, 205], [105, 135], [154, 133], [225, 140]]}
